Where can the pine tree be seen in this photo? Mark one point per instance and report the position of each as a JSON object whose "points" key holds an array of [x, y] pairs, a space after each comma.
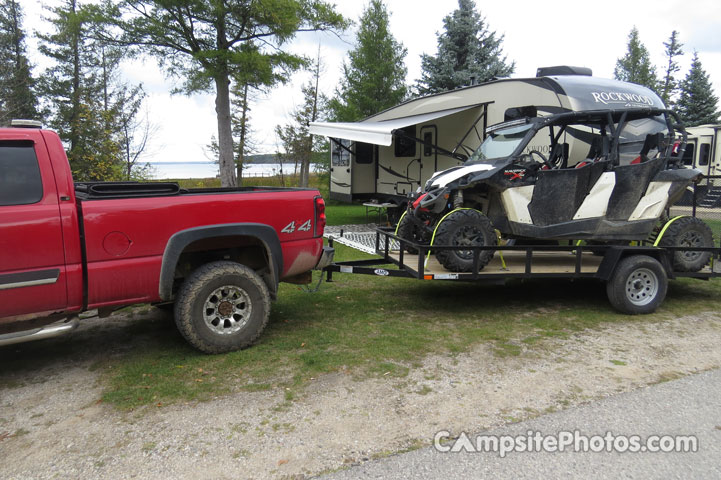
{"points": [[468, 52], [697, 104], [208, 44], [17, 95], [636, 66], [669, 86], [90, 108], [374, 79]]}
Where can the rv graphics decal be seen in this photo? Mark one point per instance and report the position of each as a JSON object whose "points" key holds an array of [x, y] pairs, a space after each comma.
{"points": [[627, 99]]}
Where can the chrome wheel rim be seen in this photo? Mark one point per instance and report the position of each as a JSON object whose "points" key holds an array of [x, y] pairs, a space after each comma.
{"points": [[226, 310], [642, 287]]}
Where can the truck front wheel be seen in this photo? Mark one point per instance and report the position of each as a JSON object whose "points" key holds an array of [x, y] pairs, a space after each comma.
{"points": [[221, 307]]}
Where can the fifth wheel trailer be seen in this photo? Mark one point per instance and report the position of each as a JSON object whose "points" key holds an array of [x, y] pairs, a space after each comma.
{"points": [[391, 154], [703, 153]]}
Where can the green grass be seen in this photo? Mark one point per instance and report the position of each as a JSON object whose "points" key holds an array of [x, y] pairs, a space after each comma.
{"points": [[345, 213], [377, 327]]}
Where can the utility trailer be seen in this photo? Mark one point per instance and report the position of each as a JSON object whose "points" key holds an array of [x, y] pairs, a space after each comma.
{"points": [[636, 276]]}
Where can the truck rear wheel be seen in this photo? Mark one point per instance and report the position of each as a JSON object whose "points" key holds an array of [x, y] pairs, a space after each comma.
{"points": [[638, 285], [464, 228], [222, 306], [688, 232]]}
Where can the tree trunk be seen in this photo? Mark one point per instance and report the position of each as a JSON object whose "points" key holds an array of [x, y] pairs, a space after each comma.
{"points": [[243, 134], [225, 133]]}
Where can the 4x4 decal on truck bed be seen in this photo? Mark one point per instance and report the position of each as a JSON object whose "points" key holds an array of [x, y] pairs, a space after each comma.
{"points": [[305, 227]]}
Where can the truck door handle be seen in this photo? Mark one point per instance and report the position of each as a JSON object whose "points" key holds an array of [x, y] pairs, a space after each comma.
{"points": [[65, 198]]}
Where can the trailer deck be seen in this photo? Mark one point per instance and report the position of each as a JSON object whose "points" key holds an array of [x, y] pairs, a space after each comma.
{"points": [[575, 260]]}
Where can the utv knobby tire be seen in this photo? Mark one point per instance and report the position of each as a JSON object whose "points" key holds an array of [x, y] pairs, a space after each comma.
{"points": [[638, 285], [464, 228], [222, 306], [688, 232], [411, 231]]}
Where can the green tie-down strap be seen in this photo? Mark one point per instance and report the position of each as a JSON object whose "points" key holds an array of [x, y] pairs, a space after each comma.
{"points": [[433, 238]]}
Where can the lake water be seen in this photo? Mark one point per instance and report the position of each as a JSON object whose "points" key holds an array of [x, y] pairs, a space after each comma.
{"points": [[163, 170]]}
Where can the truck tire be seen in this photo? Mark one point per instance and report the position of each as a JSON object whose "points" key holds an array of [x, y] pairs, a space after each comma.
{"points": [[222, 306], [688, 232], [464, 228], [638, 285], [409, 230]]}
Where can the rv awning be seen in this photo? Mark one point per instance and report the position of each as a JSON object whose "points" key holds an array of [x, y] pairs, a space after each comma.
{"points": [[377, 133]]}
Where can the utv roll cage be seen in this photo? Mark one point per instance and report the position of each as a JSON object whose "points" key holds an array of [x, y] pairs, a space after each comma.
{"points": [[610, 123]]}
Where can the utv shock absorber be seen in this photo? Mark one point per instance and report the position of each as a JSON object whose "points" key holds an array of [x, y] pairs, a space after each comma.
{"points": [[458, 201]]}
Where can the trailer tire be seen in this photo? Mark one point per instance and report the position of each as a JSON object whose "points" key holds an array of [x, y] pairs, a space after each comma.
{"points": [[222, 306], [688, 232], [409, 230], [638, 285], [464, 227]]}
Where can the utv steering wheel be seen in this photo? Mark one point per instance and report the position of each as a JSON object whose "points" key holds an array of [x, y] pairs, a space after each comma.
{"points": [[543, 158]]}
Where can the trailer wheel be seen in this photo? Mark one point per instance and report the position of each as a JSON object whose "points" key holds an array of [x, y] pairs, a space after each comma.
{"points": [[221, 307], [464, 228], [638, 285], [409, 230], [688, 232]]}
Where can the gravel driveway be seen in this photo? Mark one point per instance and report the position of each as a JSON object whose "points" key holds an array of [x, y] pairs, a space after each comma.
{"points": [[53, 425]]}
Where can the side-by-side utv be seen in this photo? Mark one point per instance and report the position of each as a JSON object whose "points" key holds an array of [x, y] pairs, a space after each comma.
{"points": [[524, 183]]}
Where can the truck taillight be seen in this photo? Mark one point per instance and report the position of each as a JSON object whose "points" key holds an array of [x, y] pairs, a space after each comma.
{"points": [[319, 216]]}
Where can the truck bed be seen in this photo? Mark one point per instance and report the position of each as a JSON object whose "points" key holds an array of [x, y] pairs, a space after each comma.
{"points": [[113, 190]]}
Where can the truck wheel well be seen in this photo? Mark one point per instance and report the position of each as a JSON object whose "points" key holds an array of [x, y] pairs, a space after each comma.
{"points": [[248, 251]]}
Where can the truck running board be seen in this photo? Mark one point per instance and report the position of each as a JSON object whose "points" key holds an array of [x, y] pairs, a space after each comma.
{"points": [[50, 331]]}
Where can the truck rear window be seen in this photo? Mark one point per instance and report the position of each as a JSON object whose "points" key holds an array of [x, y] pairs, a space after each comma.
{"points": [[20, 182]]}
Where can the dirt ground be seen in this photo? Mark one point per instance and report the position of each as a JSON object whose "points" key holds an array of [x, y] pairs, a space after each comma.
{"points": [[54, 426]]}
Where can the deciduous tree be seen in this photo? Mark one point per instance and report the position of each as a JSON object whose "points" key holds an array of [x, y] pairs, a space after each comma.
{"points": [[297, 142]]}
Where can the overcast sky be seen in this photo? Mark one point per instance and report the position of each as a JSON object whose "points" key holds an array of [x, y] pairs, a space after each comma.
{"points": [[537, 33]]}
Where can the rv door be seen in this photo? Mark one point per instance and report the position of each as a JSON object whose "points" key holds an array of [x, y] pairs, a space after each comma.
{"points": [[340, 170]]}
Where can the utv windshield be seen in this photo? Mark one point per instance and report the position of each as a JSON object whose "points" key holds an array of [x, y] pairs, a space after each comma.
{"points": [[500, 143]]}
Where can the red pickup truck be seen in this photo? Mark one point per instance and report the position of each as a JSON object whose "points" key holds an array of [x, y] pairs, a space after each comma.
{"points": [[217, 255]]}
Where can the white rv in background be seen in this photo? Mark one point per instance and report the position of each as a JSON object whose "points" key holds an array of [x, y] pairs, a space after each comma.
{"points": [[391, 154], [703, 153]]}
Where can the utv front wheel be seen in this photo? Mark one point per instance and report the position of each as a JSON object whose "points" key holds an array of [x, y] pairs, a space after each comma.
{"points": [[221, 307], [464, 228], [409, 230], [688, 232]]}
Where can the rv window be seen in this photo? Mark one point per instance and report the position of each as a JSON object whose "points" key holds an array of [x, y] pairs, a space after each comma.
{"points": [[405, 146], [428, 144], [688, 154], [704, 154], [364, 152], [20, 182], [520, 112], [340, 156]]}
